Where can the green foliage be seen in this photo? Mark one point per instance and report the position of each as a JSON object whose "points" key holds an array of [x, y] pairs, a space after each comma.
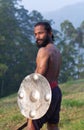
{"points": [[71, 87], [3, 69], [18, 51], [72, 50], [68, 30], [73, 103], [71, 114], [16, 58]]}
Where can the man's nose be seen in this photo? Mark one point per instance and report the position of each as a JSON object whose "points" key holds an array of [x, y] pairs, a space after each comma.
{"points": [[37, 36]]}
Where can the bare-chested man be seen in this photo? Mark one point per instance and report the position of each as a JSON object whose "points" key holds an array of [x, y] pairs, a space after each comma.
{"points": [[48, 63]]}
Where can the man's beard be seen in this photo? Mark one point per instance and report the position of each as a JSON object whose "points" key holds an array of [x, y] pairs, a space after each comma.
{"points": [[44, 42]]}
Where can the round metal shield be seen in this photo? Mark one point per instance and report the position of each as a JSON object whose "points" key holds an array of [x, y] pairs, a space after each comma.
{"points": [[34, 96]]}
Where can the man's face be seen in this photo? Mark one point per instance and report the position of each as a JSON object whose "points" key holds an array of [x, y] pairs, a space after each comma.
{"points": [[41, 35]]}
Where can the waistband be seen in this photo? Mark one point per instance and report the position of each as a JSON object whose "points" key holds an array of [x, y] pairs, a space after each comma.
{"points": [[53, 84]]}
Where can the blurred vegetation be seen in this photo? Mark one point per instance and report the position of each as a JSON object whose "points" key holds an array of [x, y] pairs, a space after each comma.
{"points": [[71, 114], [18, 50]]}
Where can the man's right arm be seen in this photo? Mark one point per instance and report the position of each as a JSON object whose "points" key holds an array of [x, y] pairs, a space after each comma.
{"points": [[42, 61]]}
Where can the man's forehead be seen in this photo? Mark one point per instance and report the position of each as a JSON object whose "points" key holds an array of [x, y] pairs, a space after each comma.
{"points": [[39, 26]]}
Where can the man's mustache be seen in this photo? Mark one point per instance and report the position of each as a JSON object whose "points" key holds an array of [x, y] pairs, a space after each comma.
{"points": [[39, 40]]}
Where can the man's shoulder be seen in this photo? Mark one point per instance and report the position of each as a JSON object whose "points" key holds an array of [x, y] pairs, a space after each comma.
{"points": [[43, 51]]}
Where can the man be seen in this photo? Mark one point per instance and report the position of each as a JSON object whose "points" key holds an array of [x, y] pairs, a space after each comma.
{"points": [[48, 64]]}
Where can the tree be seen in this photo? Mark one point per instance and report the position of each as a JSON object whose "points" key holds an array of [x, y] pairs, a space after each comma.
{"points": [[17, 48], [3, 69], [72, 49], [80, 49], [68, 51]]}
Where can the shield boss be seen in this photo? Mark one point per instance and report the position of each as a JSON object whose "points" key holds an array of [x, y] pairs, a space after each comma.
{"points": [[34, 96]]}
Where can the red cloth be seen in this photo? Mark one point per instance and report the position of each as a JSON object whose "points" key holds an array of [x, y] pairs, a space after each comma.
{"points": [[53, 84]]}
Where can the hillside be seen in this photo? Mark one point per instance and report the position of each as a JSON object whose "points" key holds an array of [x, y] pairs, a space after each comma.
{"points": [[72, 109], [74, 13]]}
